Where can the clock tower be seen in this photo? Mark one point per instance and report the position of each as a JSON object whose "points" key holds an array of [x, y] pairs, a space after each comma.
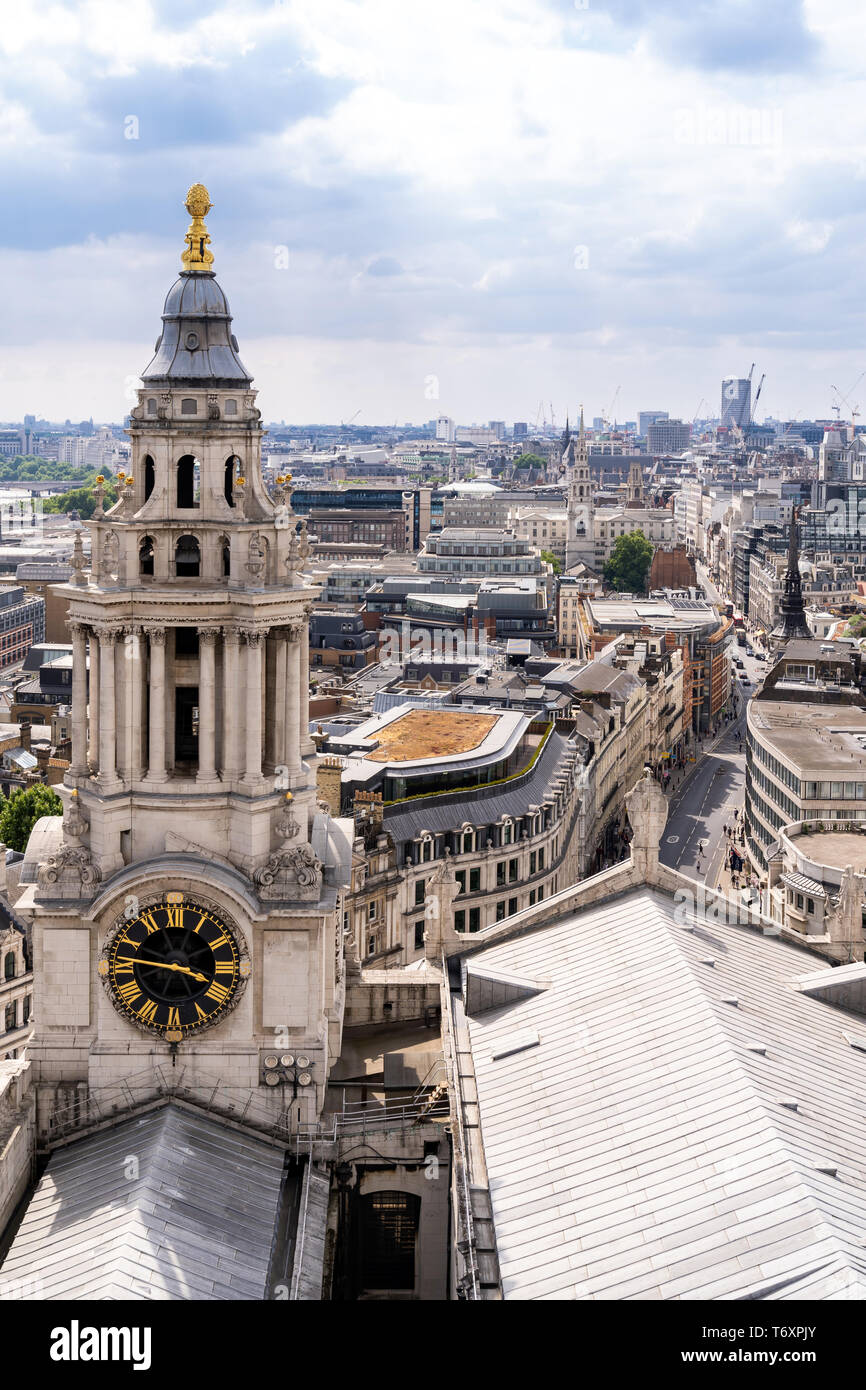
{"points": [[186, 907]]}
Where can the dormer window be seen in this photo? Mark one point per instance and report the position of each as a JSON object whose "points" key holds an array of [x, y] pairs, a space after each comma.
{"points": [[231, 407], [188, 406], [151, 405]]}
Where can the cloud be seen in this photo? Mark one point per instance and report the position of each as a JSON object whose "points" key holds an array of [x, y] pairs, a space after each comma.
{"points": [[546, 200]]}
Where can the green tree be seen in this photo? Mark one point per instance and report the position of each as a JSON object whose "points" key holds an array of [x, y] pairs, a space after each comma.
{"points": [[530, 461], [32, 468], [21, 812], [550, 559], [628, 567]]}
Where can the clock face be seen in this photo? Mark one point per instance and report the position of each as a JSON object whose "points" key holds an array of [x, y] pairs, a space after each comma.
{"points": [[174, 968]]}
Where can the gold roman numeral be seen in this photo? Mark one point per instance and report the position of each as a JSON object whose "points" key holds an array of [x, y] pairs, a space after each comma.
{"points": [[175, 917], [201, 922], [217, 992], [222, 967], [149, 923], [221, 940], [201, 1014], [123, 970], [173, 1018], [147, 1012], [129, 993]]}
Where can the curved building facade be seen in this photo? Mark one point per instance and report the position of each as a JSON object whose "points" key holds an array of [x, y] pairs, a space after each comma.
{"points": [[805, 744]]}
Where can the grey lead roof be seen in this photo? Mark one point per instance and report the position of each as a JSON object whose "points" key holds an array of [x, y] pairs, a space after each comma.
{"points": [[196, 1223], [689, 1125], [196, 343], [407, 822]]}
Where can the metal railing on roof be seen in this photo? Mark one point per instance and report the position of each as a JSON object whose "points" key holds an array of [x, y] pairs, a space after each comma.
{"points": [[96, 1107]]}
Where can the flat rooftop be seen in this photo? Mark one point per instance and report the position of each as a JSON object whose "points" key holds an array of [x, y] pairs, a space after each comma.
{"points": [[821, 740], [615, 613], [428, 733], [415, 740], [835, 848]]}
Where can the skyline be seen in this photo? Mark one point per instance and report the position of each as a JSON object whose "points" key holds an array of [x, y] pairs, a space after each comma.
{"points": [[403, 230]]}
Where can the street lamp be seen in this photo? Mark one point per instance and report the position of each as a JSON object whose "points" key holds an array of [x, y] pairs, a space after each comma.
{"points": [[286, 1069]]}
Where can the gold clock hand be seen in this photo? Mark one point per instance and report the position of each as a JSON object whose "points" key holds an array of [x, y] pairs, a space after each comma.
{"points": [[163, 965]]}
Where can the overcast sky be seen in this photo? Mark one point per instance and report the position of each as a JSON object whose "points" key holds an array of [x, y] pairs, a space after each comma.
{"points": [[458, 206]]}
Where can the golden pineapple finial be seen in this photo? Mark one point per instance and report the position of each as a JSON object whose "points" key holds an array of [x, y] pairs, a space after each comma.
{"points": [[198, 205]]}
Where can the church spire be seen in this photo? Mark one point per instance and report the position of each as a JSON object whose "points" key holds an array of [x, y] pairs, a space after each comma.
{"points": [[793, 621], [197, 257]]}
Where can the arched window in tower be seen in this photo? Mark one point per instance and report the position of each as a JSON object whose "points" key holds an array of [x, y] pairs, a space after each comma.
{"points": [[188, 477], [9, 965], [151, 405], [149, 477], [226, 552], [232, 469], [145, 555], [187, 558]]}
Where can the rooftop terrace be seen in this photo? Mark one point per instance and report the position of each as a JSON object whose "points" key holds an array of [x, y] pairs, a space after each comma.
{"points": [[423, 733]]}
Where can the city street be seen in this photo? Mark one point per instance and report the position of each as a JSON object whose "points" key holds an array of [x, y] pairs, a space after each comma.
{"points": [[713, 789]]}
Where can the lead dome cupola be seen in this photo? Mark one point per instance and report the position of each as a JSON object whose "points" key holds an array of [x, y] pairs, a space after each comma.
{"points": [[196, 346]]}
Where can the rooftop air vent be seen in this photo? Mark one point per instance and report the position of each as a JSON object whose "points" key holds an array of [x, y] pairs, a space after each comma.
{"points": [[515, 1042]]}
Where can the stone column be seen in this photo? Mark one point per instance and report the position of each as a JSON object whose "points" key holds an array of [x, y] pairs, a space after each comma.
{"points": [[136, 652], [93, 704], [280, 678], [207, 640], [107, 708], [293, 701], [79, 700], [233, 704], [253, 641], [128, 678], [272, 720], [307, 745], [156, 758]]}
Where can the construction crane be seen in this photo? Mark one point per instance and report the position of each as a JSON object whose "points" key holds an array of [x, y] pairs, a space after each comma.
{"points": [[607, 415], [701, 402], [855, 410], [757, 397], [344, 424]]}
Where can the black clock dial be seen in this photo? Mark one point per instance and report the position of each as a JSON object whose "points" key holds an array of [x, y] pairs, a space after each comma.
{"points": [[174, 968]]}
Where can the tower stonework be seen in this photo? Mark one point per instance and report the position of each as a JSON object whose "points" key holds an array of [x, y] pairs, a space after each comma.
{"points": [[580, 538], [186, 908]]}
